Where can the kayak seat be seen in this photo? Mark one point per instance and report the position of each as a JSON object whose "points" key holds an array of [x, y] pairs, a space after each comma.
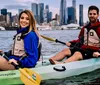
{"points": [[39, 50]]}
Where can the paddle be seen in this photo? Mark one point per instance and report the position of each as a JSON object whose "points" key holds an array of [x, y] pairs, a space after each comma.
{"points": [[54, 40], [28, 77], [72, 46]]}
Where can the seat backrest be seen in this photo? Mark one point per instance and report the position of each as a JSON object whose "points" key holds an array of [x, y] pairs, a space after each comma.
{"points": [[39, 50]]}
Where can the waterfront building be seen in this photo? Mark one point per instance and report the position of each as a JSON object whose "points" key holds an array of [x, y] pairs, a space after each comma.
{"points": [[81, 23], [2, 20], [63, 15]]}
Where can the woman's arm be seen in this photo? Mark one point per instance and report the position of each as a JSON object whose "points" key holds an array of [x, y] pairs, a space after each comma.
{"points": [[31, 48]]}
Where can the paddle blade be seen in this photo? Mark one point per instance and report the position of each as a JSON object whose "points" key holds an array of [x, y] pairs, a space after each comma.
{"points": [[29, 77], [48, 38]]}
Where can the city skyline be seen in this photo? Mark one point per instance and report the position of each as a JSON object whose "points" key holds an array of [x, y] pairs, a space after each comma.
{"points": [[54, 5]]}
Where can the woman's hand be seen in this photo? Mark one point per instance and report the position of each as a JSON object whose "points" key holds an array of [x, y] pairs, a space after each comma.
{"points": [[13, 60], [96, 54], [68, 44]]}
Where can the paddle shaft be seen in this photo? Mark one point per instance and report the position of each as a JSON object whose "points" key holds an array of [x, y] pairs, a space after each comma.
{"points": [[54, 40], [60, 42]]}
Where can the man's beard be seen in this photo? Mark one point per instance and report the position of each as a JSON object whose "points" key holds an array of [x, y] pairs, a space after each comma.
{"points": [[93, 21]]}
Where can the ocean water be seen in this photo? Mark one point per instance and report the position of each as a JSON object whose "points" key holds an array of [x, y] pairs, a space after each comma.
{"points": [[48, 48]]}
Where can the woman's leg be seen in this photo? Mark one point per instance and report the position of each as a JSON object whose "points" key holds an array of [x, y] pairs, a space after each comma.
{"points": [[4, 65]]}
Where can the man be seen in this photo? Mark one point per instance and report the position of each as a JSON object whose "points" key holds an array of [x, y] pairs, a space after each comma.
{"points": [[88, 43]]}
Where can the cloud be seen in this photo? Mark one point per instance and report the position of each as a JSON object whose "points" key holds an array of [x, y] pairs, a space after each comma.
{"points": [[27, 1], [16, 7]]}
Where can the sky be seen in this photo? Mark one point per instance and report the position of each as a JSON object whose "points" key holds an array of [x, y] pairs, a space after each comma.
{"points": [[54, 5]]}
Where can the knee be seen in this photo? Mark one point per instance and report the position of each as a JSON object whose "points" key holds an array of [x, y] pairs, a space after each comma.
{"points": [[78, 55], [65, 50]]}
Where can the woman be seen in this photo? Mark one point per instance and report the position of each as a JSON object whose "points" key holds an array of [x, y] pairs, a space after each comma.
{"points": [[25, 48]]}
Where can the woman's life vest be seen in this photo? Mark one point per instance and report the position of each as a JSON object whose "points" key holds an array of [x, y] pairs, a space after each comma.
{"points": [[18, 46]]}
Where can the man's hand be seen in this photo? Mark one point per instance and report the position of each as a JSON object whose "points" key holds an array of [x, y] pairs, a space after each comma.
{"points": [[1, 51], [96, 54], [68, 44]]}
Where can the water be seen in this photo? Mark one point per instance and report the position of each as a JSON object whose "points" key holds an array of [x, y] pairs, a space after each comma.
{"points": [[48, 48]]}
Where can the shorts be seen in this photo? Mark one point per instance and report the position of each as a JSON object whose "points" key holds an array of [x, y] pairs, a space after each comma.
{"points": [[86, 54]]}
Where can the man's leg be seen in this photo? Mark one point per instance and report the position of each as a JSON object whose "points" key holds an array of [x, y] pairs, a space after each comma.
{"points": [[61, 55], [75, 57]]}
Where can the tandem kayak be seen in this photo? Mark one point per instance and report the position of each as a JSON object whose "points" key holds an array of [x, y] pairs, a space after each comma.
{"points": [[48, 71]]}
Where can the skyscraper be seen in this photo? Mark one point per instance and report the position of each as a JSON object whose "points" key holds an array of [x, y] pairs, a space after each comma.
{"points": [[50, 16], [74, 6], [20, 10], [41, 12], [81, 15], [47, 9], [74, 3], [34, 7], [71, 15], [4, 11], [63, 17]]}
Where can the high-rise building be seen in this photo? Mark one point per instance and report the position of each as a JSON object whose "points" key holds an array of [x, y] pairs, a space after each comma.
{"points": [[9, 18], [74, 6], [71, 15], [41, 12], [47, 11], [20, 10], [34, 7], [4, 11], [74, 3], [81, 23], [50, 16], [45, 15], [63, 17]]}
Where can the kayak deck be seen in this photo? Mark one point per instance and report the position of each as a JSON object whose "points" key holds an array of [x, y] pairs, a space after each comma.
{"points": [[47, 71]]}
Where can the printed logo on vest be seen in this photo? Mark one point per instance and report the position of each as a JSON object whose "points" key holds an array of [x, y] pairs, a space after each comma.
{"points": [[91, 34], [18, 38]]}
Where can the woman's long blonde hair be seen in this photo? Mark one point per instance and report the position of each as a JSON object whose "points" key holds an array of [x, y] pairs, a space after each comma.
{"points": [[32, 21]]}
